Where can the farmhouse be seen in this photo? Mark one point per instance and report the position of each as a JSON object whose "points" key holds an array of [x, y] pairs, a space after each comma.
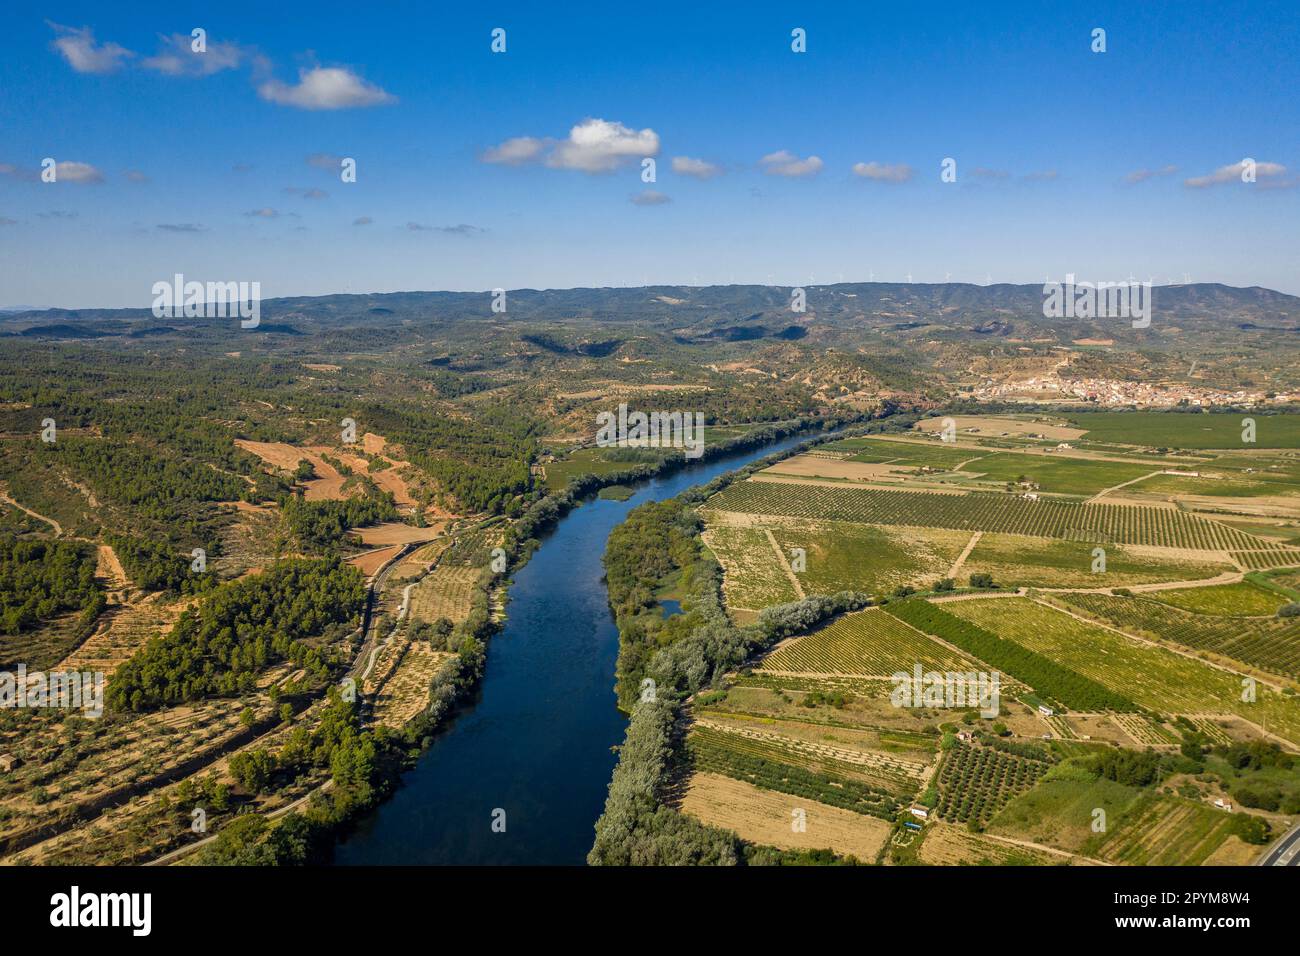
{"points": [[1045, 710], [919, 811], [1030, 496]]}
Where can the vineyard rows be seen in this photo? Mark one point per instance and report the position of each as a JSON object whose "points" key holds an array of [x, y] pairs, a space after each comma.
{"points": [[1269, 643], [1047, 518], [867, 643]]}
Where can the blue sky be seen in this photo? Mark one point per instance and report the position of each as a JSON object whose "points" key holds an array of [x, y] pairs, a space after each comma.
{"points": [[200, 163]]}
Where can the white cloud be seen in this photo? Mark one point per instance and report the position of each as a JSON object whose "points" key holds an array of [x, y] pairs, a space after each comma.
{"points": [[266, 212], [649, 197], [83, 54], [700, 169], [1142, 175], [599, 146], [785, 163], [1232, 173], [883, 172], [592, 146], [70, 172], [325, 88], [515, 152], [306, 193], [176, 57]]}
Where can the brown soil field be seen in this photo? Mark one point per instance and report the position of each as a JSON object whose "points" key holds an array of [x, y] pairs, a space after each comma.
{"points": [[765, 817], [394, 532], [123, 630], [372, 561], [109, 569], [987, 425], [406, 691], [949, 845], [819, 466]]}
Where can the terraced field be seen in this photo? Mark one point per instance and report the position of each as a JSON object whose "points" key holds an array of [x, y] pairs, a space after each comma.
{"points": [[1269, 643], [988, 512], [1153, 676]]}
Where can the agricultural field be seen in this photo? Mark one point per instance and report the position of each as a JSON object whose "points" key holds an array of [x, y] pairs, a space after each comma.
{"points": [[868, 643], [975, 781], [1097, 523], [1052, 475], [1154, 676], [1269, 643], [1192, 431], [766, 817], [1241, 599], [1019, 561]]}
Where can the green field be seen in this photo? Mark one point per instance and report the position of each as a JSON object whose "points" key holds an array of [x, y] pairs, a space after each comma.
{"points": [[1066, 476], [1188, 430], [1234, 600], [1154, 677], [870, 643], [1017, 561], [1269, 643], [1009, 514]]}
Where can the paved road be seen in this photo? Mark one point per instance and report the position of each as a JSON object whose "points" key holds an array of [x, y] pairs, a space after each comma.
{"points": [[1286, 852]]}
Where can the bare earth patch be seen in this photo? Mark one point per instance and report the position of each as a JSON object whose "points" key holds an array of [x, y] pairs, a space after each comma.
{"points": [[765, 817]]}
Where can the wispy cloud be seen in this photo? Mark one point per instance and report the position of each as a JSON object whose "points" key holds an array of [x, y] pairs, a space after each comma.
{"points": [[698, 168], [463, 229], [325, 161], [649, 197], [592, 146], [984, 172], [176, 57], [266, 212], [181, 227], [58, 214], [83, 54], [6, 221], [785, 163], [307, 192], [70, 172], [884, 172], [135, 176], [325, 88], [1142, 175], [1232, 173], [1040, 176], [362, 221]]}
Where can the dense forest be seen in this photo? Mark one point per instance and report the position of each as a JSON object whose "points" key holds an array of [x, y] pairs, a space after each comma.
{"points": [[41, 579], [240, 629]]}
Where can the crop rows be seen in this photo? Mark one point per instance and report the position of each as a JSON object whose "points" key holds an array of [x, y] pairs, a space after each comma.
{"points": [[1277, 558], [1269, 643], [1145, 730], [1047, 518], [1045, 676], [976, 782], [868, 643], [716, 752]]}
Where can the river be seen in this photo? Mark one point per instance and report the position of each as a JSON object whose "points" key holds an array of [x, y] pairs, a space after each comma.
{"points": [[533, 750]]}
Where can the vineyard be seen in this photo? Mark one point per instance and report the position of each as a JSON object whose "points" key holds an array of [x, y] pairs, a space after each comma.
{"points": [[975, 782], [1155, 677], [1008, 514], [1162, 831], [773, 767], [1046, 676], [869, 642], [1242, 599], [1272, 644]]}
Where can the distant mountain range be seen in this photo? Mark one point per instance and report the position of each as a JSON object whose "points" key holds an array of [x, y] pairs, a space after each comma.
{"points": [[730, 313]]}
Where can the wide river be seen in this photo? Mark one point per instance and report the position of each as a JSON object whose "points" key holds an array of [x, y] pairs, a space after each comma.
{"points": [[536, 743]]}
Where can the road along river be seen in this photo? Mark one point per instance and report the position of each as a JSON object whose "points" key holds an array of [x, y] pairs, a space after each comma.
{"points": [[534, 749]]}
